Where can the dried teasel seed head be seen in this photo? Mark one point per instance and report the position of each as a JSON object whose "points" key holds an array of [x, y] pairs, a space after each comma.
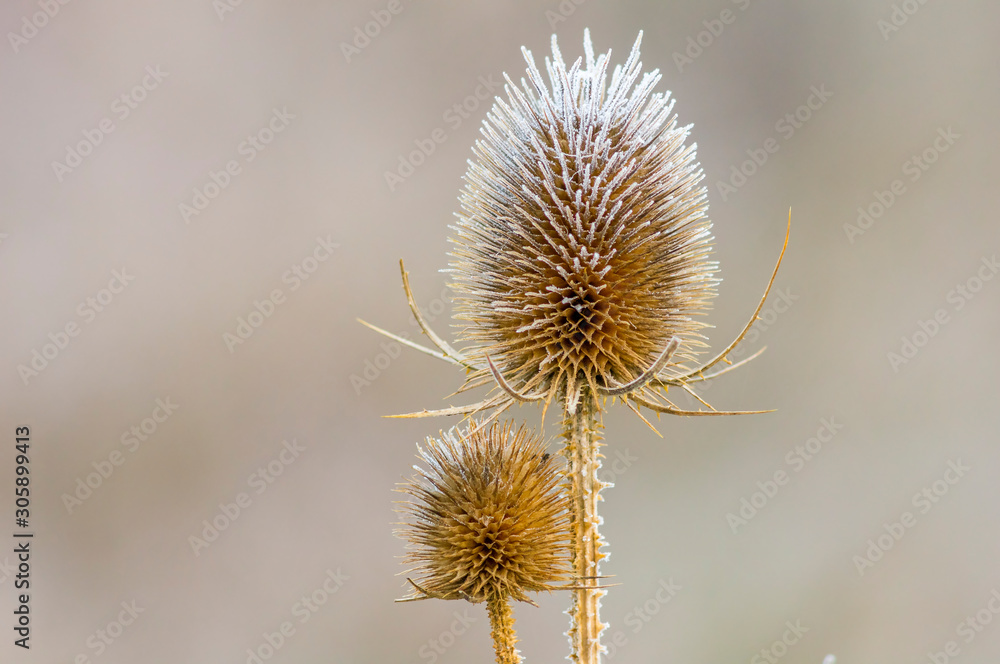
{"points": [[582, 246], [487, 519]]}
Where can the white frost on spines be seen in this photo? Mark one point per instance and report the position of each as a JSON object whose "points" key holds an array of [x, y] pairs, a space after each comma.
{"points": [[573, 167]]}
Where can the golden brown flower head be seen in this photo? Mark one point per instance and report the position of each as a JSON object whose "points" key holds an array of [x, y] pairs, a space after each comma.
{"points": [[582, 247], [487, 517]]}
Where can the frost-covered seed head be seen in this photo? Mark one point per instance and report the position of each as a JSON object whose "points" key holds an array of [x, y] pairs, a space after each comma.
{"points": [[582, 246]]}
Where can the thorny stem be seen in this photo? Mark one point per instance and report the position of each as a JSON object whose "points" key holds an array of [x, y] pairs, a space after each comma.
{"points": [[502, 630], [581, 430]]}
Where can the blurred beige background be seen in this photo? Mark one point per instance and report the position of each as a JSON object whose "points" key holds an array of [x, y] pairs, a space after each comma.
{"points": [[215, 78]]}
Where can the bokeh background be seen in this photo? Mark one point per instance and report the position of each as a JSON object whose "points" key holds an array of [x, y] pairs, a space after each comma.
{"points": [[895, 76]]}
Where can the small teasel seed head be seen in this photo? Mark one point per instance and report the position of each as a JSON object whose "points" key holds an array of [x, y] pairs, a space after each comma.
{"points": [[582, 246], [486, 517]]}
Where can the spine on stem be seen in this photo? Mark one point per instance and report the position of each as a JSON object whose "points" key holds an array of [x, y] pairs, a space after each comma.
{"points": [[502, 630], [582, 432]]}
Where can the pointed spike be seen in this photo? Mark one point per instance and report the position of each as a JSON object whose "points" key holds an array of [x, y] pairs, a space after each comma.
{"points": [[505, 386], [407, 342], [457, 410], [721, 356], [669, 410], [718, 373], [646, 376], [435, 339]]}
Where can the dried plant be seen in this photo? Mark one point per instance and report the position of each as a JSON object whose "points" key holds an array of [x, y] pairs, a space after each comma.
{"points": [[581, 270], [487, 523]]}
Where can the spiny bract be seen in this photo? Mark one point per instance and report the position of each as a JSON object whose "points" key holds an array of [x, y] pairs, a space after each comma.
{"points": [[487, 516], [583, 244]]}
